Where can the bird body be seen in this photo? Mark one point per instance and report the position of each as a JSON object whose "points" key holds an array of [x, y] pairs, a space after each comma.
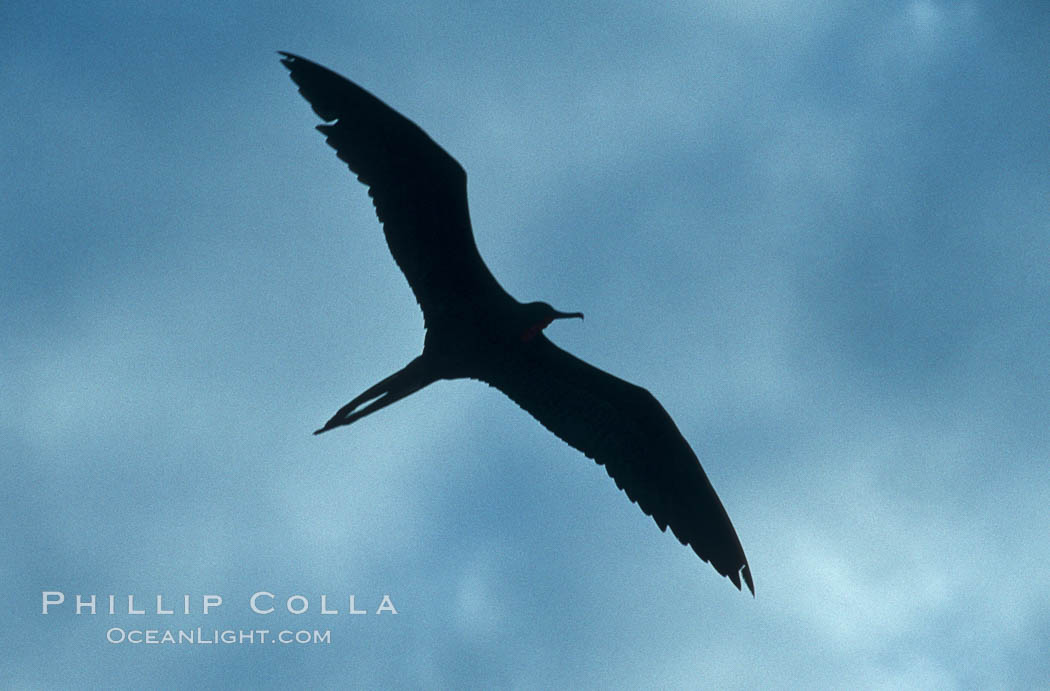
{"points": [[476, 330]]}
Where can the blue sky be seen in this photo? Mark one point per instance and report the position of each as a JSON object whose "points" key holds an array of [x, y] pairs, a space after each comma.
{"points": [[819, 235]]}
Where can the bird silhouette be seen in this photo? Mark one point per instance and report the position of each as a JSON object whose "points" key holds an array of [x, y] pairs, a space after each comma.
{"points": [[476, 330]]}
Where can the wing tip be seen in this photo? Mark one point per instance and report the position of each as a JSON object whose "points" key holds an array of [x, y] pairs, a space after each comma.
{"points": [[734, 575], [288, 59], [745, 571]]}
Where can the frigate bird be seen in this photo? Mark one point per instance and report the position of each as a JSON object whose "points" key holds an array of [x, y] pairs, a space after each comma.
{"points": [[475, 329]]}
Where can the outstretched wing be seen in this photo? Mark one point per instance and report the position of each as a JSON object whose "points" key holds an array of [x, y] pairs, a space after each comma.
{"points": [[624, 428], [419, 190]]}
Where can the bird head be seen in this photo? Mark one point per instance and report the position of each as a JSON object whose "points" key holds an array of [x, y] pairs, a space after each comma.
{"points": [[539, 315]]}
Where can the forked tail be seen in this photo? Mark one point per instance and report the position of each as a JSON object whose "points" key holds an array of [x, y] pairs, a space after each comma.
{"points": [[411, 378]]}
